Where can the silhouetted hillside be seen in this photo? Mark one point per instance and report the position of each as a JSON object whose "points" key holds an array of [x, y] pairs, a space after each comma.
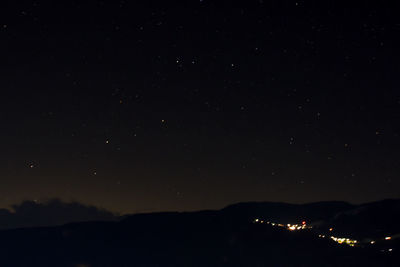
{"points": [[288, 213], [371, 220], [207, 238]]}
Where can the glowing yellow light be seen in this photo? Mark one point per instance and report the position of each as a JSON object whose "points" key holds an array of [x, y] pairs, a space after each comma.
{"points": [[343, 240], [372, 242]]}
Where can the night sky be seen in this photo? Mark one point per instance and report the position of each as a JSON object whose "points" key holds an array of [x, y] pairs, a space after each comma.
{"points": [[167, 105]]}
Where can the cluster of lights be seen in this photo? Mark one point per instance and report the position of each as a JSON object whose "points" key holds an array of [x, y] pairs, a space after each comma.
{"points": [[342, 240], [293, 227], [290, 227], [303, 225], [347, 241]]}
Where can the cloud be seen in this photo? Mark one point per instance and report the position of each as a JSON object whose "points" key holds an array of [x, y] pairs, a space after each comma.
{"points": [[49, 213]]}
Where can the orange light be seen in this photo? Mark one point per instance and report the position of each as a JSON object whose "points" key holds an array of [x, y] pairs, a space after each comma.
{"points": [[304, 222]]}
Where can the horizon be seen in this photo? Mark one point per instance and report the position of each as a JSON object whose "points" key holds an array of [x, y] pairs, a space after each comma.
{"points": [[46, 202]]}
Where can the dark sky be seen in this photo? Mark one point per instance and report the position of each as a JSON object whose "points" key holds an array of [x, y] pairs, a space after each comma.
{"points": [[167, 105]]}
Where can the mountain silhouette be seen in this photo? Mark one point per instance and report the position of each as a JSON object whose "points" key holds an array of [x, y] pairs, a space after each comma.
{"points": [[227, 237]]}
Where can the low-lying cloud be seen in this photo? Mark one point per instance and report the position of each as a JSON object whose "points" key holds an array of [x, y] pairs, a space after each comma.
{"points": [[49, 213]]}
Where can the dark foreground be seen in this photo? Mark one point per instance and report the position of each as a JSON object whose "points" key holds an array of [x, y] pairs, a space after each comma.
{"points": [[212, 238]]}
